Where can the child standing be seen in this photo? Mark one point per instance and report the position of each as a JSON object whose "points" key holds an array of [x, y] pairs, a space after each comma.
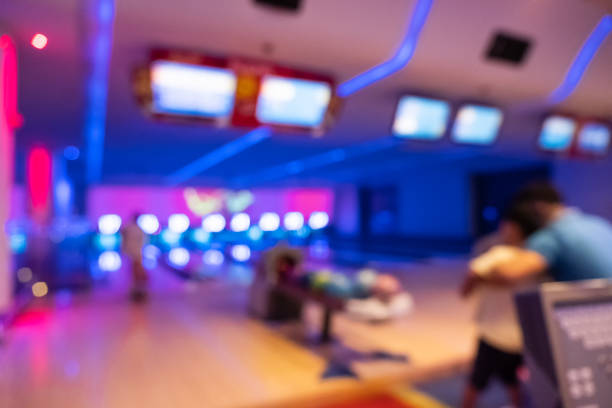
{"points": [[500, 338]]}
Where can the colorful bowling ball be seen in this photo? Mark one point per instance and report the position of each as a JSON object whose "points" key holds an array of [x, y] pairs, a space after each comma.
{"points": [[339, 286], [320, 280], [364, 282], [386, 285]]}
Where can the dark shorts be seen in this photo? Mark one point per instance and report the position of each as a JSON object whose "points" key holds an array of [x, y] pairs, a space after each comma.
{"points": [[493, 362]]}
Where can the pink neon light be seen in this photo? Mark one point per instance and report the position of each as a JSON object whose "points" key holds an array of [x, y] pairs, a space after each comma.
{"points": [[39, 179], [162, 201], [9, 81]]}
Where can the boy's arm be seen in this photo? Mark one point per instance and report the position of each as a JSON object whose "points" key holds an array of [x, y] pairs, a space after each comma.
{"points": [[523, 264]]}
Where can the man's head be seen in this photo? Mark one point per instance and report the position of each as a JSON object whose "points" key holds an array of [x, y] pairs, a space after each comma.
{"points": [[543, 199], [518, 223]]}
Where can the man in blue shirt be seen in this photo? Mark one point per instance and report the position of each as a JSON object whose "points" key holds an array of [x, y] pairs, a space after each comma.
{"points": [[571, 245]]}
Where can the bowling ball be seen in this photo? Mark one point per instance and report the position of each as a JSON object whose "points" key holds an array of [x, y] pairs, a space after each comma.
{"points": [[320, 280], [386, 286], [339, 286], [364, 281]]}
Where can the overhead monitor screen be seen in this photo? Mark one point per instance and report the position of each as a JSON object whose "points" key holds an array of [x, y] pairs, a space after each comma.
{"points": [[192, 90], [557, 133], [594, 138], [293, 102], [477, 124], [420, 118]]}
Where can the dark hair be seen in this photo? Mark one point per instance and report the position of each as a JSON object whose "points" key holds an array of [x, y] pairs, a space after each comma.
{"points": [[539, 192], [523, 215], [288, 259]]}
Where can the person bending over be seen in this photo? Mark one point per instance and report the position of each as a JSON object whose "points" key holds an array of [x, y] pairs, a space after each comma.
{"points": [[571, 246]]}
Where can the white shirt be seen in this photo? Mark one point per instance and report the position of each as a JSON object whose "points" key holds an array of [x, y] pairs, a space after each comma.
{"points": [[496, 317]]}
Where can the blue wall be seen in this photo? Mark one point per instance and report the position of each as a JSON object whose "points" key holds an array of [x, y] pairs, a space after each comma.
{"points": [[435, 203]]}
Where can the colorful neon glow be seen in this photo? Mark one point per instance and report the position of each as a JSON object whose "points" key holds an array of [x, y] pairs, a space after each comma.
{"points": [[398, 61], [39, 180], [583, 59], [197, 203], [99, 45], [218, 155]]}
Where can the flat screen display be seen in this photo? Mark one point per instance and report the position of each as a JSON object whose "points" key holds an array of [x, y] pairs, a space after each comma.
{"points": [[192, 90], [477, 124], [594, 138], [420, 118], [292, 102], [557, 133]]}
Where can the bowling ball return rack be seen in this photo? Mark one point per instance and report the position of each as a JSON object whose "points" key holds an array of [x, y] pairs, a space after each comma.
{"points": [[330, 305]]}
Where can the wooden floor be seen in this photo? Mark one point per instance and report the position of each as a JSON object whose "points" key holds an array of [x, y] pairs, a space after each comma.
{"points": [[193, 346]]}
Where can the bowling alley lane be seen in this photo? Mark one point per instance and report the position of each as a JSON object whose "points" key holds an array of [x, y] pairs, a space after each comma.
{"points": [[192, 345]]}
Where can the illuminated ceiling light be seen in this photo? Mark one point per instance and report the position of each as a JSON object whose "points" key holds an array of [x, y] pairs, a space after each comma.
{"points": [[398, 61], [148, 223], [109, 224], [318, 220], [178, 223], [39, 41], [213, 223], [240, 222], [583, 59], [293, 221], [269, 221]]}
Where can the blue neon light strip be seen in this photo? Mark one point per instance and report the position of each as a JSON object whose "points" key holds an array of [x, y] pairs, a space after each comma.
{"points": [[582, 60], [218, 155], [402, 56], [101, 16], [330, 157]]}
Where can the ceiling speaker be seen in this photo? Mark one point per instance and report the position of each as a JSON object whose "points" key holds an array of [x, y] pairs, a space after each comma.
{"points": [[508, 48], [284, 5]]}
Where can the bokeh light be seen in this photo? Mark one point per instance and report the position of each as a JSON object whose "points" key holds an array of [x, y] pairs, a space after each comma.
{"points": [[39, 41], [178, 223], [213, 257], [318, 220], [72, 153], [109, 261], [241, 253], [170, 238], [40, 289], [178, 257], [148, 223], [269, 221], [293, 221], [240, 222], [109, 224], [255, 233], [213, 223], [24, 274], [200, 236]]}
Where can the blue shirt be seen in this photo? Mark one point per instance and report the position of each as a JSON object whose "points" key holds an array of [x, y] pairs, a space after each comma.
{"points": [[577, 246]]}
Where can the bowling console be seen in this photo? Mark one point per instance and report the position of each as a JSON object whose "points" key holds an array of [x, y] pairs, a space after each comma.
{"points": [[567, 330]]}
